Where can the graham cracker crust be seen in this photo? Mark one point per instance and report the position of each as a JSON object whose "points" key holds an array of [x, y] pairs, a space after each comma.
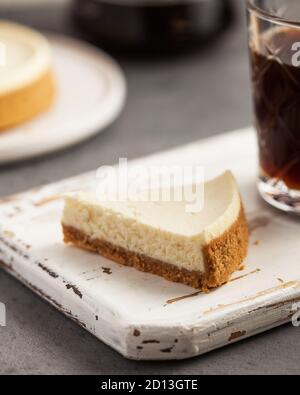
{"points": [[25, 103], [222, 257]]}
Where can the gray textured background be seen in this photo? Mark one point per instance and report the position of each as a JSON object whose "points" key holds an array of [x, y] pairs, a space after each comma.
{"points": [[170, 102]]}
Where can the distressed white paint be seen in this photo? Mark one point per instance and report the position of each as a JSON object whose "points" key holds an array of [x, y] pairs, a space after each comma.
{"points": [[127, 309]]}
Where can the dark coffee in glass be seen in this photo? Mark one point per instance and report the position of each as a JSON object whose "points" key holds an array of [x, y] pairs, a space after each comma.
{"points": [[275, 64]]}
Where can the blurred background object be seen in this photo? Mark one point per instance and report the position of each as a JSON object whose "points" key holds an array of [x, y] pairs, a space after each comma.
{"points": [[18, 3], [145, 25], [54, 89], [152, 25]]}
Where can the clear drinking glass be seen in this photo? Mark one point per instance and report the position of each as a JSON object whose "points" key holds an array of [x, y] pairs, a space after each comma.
{"points": [[274, 41]]}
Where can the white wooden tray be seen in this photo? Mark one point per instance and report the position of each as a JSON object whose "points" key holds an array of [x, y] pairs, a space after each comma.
{"points": [[143, 316]]}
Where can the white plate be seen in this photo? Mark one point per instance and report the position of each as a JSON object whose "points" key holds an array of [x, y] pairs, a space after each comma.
{"points": [[143, 316], [91, 93]]}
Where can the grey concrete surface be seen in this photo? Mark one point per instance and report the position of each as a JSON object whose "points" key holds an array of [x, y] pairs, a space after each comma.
{"points": [[170, 102]]}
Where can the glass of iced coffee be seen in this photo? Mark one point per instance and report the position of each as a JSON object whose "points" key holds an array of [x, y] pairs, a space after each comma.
{"points": [[274, 37]]}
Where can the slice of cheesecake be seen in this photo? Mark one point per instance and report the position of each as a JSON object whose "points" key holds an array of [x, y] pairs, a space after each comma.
{"points": [[26, 80], [198, 249]]}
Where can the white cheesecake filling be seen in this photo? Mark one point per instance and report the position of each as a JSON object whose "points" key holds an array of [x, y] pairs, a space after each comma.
{"points": [[25, 56], [164, 230]]}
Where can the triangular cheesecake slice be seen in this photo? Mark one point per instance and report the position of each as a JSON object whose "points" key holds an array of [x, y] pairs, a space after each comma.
{"points": [[198, 249]]}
